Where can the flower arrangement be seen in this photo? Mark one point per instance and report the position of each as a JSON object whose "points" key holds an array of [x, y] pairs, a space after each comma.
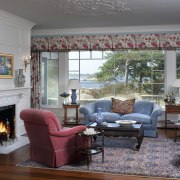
{"points": [[169, 99], [65, 95]]}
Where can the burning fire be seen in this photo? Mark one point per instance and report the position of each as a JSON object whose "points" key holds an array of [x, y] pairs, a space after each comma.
{"points": [[3, 128]]}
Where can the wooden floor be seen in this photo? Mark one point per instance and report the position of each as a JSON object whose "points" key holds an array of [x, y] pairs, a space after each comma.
{"points": [[9, 171]]}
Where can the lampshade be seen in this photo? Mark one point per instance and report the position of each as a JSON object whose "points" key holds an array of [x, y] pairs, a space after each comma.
{"points": [[176, 83], [73, 84]]}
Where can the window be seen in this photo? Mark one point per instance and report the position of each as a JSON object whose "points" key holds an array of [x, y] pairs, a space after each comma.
{"points": [[104, 74], [49, 78]]}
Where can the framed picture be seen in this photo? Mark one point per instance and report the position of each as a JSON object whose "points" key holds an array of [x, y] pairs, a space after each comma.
{"points": [[6, 66]]}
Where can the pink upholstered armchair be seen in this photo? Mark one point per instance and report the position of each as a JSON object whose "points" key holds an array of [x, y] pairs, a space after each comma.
{"points": [[50, 143]]}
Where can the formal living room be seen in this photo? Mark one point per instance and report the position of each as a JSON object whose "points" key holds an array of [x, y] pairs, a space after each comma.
{"points": [[89, 89]]}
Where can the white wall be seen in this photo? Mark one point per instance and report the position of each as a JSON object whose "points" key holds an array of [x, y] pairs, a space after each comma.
{"points": [[15, 39]]}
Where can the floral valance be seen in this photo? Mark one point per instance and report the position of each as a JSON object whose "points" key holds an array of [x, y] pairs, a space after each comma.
{"points": [[106, 42]]}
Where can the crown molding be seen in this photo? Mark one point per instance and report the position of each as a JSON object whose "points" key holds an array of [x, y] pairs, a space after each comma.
{"points": [[16, 20], [106, 30]]}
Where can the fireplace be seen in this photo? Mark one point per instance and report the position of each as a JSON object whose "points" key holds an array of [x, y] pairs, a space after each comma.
{"points": [[7, 124]]}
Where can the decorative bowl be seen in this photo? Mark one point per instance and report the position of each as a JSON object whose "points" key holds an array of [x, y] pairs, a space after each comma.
{"points": [[125, 122]]}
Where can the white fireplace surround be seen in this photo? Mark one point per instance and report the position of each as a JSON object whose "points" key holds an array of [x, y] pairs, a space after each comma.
{"points": [[20, 97]]}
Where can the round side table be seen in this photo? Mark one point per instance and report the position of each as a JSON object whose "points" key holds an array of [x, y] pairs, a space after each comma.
{"points": [[94, 148], [177, 126]]}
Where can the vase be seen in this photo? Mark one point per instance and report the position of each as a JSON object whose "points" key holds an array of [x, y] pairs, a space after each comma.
{"points": [[19, 79], [99, 118], [66, 100]]}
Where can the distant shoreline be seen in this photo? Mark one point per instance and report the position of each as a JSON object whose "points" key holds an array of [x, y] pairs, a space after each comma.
{"points": [[87, 84]]}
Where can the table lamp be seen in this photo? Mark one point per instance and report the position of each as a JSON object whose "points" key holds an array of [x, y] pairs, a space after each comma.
{"points": [[73, 84]]}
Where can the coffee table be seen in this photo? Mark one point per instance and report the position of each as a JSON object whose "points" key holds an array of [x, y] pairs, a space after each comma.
{"points": [[117, 130]]}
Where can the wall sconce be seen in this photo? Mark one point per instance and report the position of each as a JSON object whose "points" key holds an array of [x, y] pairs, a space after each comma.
{"points": [[27, 60]]}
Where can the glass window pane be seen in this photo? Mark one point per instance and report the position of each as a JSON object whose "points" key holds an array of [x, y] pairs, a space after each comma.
{"points": [[45, 55], [54, 55], [52, 86], [84, 54], [74, 65], [74, 55], [97, 54], [49, 80]]}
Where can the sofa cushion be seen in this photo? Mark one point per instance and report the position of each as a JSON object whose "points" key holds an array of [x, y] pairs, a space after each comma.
{"points": [[140, 118], [108, 116], [143, 107], [105, 105], [122, 107]]}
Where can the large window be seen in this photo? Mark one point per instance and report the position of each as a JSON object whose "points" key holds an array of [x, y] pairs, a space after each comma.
{"points": [[49, 78], [106, 74]]}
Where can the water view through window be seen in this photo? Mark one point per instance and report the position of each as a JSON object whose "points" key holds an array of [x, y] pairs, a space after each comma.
{"points": [[121, 74]]}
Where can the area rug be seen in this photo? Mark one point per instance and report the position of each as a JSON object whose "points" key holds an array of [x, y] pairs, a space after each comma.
{"points": [[18, 143], [157, 157]]}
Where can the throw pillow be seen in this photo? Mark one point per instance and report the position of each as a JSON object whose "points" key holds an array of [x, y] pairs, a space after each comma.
{"points": [[122, 107]]}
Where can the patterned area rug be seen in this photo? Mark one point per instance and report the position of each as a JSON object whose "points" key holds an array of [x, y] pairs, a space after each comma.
{"points": [[157, 157]]}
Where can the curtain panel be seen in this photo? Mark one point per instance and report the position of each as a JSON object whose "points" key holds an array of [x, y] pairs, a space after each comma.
{"points": [[35, 79], [106, 42]]}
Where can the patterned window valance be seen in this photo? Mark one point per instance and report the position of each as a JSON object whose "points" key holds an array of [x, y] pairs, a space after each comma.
{"points": [[106, 42]]}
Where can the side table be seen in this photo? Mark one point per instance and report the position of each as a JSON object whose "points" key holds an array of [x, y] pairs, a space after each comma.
{"points": [[171, 109], [93, 148], [177, 127], [70, 106]]}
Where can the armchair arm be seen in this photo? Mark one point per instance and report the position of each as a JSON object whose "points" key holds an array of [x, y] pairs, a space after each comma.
{"points": [[157, 111], [68, 132]]}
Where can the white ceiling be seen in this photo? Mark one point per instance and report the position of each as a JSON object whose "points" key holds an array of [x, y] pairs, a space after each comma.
{"points": [[142, 12]]}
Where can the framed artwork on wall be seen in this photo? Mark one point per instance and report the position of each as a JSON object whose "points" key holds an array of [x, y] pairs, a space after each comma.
{"points": [[6, 66]]}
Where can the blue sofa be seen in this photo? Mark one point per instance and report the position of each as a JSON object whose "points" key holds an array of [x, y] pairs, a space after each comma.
{"points": [[145, 112]]}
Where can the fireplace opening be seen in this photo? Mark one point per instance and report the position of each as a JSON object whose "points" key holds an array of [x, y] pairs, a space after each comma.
{"points": [[7, 124]]}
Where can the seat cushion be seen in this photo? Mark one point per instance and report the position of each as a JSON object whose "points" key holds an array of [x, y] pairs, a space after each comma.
{"points": [[140, 118], [108, 116], [122, 107]]}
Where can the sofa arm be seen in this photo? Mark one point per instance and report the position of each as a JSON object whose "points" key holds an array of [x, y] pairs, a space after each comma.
{"points": [[88, 109], [157, 111]]}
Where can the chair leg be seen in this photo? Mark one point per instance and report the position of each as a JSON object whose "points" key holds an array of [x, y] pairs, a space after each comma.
{"points": [[175, 134]]}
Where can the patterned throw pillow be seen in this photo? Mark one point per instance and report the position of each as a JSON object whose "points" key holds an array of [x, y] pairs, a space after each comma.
{"points": [[122, 107]]}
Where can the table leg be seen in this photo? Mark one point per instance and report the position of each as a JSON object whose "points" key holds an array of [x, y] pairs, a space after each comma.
{"points": [[76, 116], [65, 116], [175, 134], [139, 141], [165, 125]]}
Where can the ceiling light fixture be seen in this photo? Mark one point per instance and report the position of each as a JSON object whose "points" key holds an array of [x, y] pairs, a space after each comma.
{"points": [[91, 7]]}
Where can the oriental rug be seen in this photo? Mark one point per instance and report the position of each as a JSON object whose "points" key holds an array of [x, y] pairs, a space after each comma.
{"points": [[157, 157]]}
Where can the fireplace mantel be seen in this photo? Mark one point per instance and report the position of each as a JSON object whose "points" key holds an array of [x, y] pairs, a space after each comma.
{"points": [[10, 96]]}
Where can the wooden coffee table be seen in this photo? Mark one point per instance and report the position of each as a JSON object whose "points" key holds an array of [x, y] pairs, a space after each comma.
{"points": [[116, 130]]}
